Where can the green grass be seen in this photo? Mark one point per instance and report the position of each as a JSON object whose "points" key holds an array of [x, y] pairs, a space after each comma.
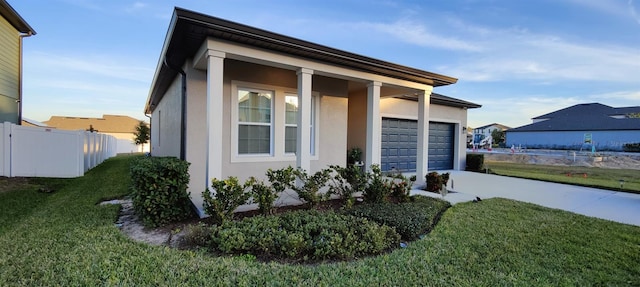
{"points": [[604, 178], [65, 239]]}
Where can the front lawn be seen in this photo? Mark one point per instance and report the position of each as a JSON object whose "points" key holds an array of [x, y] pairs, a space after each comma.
{"points": [[604, 178], [64, 238]]}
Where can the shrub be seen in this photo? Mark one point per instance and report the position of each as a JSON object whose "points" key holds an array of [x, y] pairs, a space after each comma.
{"points": [[309, 190], [631, 147], [475, 162], [435, 181], [346, 181], [229, 194], [304, 235], [159, 190], [411, 219], [401, 187], [262, 194], [377, 188]]}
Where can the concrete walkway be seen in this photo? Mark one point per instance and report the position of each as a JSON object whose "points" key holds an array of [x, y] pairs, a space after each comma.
{"points": [[611, 205]]}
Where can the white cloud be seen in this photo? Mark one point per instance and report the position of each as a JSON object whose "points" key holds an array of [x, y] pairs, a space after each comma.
{"points": [[135, 7], [632, 10], [419, 34], [518, 54], [99, 65]]}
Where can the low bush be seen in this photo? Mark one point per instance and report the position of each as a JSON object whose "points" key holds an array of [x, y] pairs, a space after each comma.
{"points": [[159, 190], [304, 235], [411, 219], [345, 181], [401, 186], [228, 195], [309, 189], [631, 147], [377, 188], [475, 162], [435, 181]]}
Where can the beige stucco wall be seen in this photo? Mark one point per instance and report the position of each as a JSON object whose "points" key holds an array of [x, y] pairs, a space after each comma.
{"points": [[332, 122], [9, 72], [165, 123]]}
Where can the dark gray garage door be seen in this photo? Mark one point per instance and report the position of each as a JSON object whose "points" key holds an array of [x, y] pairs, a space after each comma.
{"points": [[441, 138], [400, 141], [399, 144]]}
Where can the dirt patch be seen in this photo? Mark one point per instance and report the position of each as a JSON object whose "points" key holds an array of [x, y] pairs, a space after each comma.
{"points": [[13, 183], [614, 161]]}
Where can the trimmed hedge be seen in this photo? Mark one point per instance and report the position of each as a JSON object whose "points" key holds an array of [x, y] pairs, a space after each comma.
{"points": [[631, 147], [411, 219], [475, 162], [304, 235], [159, 190]]}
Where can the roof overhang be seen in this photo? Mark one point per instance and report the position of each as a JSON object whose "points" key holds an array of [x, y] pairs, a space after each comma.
{"points": [[189, 29], [15, 19]]}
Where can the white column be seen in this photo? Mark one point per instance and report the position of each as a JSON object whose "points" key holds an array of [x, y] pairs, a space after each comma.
{"points": [[215, 73], [422, 158], [303, 137], [374, 124]]}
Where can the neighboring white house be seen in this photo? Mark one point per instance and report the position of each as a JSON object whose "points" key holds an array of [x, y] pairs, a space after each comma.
{"points": [[230, 99], [12, 29], [123, 128], [583, 126]]}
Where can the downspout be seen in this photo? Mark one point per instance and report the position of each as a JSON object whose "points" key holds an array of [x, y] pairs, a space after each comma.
{"points": [[19, 100], [183, 114], [150, 122]]}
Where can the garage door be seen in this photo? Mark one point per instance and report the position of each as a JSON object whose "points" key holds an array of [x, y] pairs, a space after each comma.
{"points": [[399, 144], [441, 139], [400, 141]]}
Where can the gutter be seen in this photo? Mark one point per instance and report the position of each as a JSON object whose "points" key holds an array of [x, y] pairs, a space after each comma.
{"points": [[19, 100]]}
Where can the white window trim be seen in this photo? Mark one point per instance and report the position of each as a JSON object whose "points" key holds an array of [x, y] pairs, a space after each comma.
{"points": [[277, 127]]}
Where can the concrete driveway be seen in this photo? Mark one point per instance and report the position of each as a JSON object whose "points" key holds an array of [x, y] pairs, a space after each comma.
{"points": [[606, 204]]}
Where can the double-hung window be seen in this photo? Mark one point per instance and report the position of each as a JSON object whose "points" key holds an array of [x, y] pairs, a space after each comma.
{"points": [[291, 113], [255, 121]]}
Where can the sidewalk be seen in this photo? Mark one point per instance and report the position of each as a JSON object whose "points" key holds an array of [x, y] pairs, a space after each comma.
{"points": [[605, 204]]}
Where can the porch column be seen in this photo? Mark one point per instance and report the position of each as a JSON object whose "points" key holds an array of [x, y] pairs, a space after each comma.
{"points": [[303, 137], [422, 157], [374, 124], [215, 73]]}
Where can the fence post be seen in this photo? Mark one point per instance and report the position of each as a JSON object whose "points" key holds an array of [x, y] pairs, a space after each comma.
{"points": [[6, 150]]}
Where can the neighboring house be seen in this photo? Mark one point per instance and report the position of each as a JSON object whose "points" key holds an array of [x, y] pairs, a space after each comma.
{"points": [[32, 123], [12, 29], [229, 99], [580, 127], [481, 135], [123, 128]]}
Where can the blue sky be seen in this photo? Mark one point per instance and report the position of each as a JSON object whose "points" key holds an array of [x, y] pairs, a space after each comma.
{"points": [[517, 58]]}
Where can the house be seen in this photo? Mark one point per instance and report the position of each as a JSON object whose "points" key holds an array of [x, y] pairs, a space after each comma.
{"points": [[481, 135], [123, 128], [230, 99], [12, 29], [581, 126], [33, 123]]}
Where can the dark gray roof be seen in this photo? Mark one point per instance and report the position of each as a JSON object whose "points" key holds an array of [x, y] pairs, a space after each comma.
{"points": [[439, 99], [14, 18], [584, 117], [189, 29]]}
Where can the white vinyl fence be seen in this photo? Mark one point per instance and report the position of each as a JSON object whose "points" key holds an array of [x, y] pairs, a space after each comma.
{"points": [[44, 152]]}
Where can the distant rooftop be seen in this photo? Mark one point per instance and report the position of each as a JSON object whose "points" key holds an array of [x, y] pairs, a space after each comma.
{"points": [[105, 124], [586, 117]]}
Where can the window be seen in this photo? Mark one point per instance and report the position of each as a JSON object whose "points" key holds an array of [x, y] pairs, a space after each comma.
{"points": [[291, 127], [254, 121]]}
